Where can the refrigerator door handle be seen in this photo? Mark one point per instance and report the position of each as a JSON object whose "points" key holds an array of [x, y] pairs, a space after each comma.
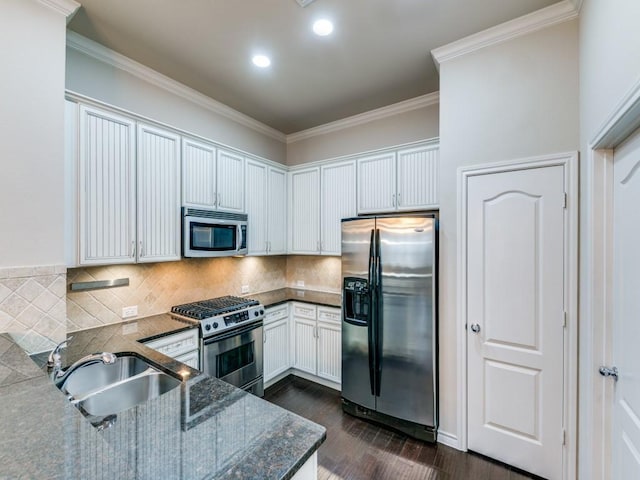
{"points": [[378, 315], [372, 312]]}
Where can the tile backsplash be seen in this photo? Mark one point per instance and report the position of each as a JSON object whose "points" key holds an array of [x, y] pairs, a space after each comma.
{"points": [[155, 288], [32, 306]]}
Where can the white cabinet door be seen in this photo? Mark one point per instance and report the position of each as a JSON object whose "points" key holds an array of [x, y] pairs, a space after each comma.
{"points": [[107, 217], [338, 201], [158, 169], [256, 188], [305, 211], [276, 349], [329, 351], [198, 174], [277, 211], [305, 345], [377, 183], [230, 181], [418, 178]]}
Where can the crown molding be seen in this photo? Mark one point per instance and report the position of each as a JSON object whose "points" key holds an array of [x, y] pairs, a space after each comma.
{"points": [[68, 8], [115, 59], [577, 4], [366, 117], [543, 18]]}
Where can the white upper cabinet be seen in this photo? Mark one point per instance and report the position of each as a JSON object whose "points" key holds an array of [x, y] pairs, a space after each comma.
{"points": [[212, 177], [266, 206], [198, 174], [230, 181], [401, 180], [305, 211], [158, 175], [418, 177], [256, 187], [377, 183], [338, 201], [277, 211], [106, 176]]}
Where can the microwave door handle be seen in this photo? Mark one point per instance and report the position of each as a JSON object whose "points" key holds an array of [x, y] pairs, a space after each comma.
{"points": [[238, 237]]}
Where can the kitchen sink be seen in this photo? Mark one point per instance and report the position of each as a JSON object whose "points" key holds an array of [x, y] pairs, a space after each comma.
{"points": [[100, 390]]}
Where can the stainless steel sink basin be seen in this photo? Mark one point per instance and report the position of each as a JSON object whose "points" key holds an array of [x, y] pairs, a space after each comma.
{"points": [[127, 393], [101, 390]]}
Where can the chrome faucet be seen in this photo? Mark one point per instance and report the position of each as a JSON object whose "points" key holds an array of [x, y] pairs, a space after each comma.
{"points": [[54, 363]]}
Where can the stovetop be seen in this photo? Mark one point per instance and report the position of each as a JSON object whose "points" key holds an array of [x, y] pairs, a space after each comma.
{"points": [[220, 314]]}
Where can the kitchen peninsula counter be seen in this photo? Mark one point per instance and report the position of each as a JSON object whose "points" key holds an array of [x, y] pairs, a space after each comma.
{"points": [[206, 428]]}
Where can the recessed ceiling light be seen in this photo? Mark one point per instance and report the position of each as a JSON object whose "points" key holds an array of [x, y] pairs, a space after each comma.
{"points": [[261, 61], [322, 27]]}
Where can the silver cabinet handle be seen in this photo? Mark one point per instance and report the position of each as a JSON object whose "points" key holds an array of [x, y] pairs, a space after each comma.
{"points": [[609, 372], [133, 248], [475, 328], [393, 200], [215, 199], [266, 247], [398, 199], [264, 337], [219, 199], [140, 253]]}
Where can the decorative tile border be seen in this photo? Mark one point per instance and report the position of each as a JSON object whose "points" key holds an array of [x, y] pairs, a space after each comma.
{"points": [[33, 305]]}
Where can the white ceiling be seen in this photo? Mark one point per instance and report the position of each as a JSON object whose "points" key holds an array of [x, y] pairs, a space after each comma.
{"points": [[379, 53]]}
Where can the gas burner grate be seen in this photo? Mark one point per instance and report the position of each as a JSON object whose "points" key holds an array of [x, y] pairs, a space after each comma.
{"points": [[212, 307]]}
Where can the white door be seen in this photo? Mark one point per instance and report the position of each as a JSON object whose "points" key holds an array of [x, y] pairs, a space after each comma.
{"points": [[230, 181], [256, 185], [158, 195], [515, 312], [626, 310], [377, 183], [305, 211], [277, 211], [107, 189], [338, 201]]}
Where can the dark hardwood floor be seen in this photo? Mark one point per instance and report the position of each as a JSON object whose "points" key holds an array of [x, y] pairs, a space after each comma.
{"points": [[359, 450]]}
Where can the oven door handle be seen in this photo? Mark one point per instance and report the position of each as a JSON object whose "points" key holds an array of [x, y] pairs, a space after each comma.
{"points": [[232, 333]]}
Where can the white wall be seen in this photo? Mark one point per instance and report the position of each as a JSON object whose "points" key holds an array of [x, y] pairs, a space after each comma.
{"points": [[32, 149], [88, 76], [609, 68], [512, 100], [419, 124]]}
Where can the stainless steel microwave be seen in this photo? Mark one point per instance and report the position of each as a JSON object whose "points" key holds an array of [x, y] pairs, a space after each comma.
{"points": [[208, 233]]}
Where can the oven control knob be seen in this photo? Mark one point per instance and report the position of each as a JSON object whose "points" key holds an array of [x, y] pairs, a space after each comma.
{"points": [[215, 324], [256, 313], [261, 312], [207, 327]]}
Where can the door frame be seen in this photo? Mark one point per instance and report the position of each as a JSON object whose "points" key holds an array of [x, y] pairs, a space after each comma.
{"points": [[569, 162], [597, 300]]}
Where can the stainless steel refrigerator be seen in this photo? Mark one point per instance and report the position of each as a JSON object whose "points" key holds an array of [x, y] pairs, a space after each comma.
{"points": [[389, 321]]}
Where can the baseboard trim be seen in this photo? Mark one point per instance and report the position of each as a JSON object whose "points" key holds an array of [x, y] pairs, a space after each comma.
{"points": [[313, 378], [448, 439]]}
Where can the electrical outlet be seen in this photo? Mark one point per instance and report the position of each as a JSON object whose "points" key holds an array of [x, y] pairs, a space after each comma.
{"points": [[244, 289], [299, 283], [128, 312]]}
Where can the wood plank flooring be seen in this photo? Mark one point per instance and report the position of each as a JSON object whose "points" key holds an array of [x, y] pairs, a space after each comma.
{"points": [[359, 450]]}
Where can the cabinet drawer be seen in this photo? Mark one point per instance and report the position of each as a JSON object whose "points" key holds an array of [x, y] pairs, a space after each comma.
{"points": [[176, 344], [304, 310], [192, 359], [329, 314], [276, 313]]}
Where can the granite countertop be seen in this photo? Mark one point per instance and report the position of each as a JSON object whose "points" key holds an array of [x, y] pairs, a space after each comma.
{"points": [[283, 295], [204, 429]]}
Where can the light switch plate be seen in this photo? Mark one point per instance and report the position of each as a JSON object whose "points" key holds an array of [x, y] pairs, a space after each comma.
{"points": [[244, 289], [128, 312]]}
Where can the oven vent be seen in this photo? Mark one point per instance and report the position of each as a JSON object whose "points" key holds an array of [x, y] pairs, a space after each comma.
{"points": [[195, 212]]}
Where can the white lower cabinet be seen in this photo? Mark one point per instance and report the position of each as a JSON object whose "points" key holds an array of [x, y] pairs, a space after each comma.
{"points": [[318, 341], [183, 346], [276, 342]]}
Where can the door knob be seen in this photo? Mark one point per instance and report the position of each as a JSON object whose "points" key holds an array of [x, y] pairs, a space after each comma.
{"points": [[475, 328], [609, 372]]}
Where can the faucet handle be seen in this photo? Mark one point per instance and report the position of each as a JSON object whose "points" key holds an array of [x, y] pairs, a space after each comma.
{"points": [[54, 359]]}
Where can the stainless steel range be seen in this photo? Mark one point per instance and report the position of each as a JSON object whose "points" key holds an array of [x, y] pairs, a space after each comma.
{"points": [[231, 339]]}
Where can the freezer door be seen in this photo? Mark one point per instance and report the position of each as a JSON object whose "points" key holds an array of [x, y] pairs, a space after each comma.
{"points": [[406, 325], [357, 372]]}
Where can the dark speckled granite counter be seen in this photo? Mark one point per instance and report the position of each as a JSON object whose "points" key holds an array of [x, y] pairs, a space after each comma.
{"points": [[204, 429], [283, 295]]}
